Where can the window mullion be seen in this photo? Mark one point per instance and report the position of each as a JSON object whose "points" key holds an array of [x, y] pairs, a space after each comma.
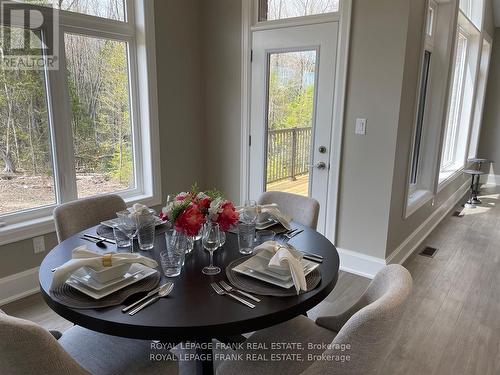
{"points": [[65, 174]]}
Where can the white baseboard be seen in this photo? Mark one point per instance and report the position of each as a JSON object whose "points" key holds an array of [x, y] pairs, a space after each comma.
{"points": [[411, 244], [360, 264], [18, 286]]}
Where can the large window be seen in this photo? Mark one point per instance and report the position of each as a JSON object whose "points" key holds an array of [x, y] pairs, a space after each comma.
{"points": [[78, 129], [461, 101], [482, 80], [423, 94], [452, 152], [270, 10]]}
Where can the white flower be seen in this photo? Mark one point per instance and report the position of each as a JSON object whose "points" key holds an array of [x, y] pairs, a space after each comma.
{"points": [[214, 209], [201, 195]]}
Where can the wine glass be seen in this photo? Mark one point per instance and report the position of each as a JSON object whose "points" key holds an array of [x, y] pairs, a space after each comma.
{"points": [[211, 242], [128, 226], [250, 212]]}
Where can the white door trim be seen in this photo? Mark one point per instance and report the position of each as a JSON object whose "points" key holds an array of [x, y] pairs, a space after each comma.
{"points": [[248, 15]]}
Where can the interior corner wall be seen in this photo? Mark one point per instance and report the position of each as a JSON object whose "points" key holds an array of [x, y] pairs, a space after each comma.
{"points": [[221, 38], [374, 88], [180, 99], [402, 229]]}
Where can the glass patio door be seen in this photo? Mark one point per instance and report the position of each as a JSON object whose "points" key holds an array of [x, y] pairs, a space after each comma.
{"points": [[293, 77]]}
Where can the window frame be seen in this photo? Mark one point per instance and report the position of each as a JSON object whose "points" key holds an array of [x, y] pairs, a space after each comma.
{"points": [[138, 31], [448, 172], [257, 24], [480, 98]]}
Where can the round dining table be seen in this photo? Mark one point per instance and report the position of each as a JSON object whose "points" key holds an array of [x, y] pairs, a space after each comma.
{"points": [[193, 312]]}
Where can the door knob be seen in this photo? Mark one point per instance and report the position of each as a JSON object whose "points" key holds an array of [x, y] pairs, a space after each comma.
{"points": [[319, 165]]}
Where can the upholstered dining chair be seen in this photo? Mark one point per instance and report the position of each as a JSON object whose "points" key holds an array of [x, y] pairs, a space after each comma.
{"points": [[367, 327], [302, 209], [73, 217], [26, 348]]}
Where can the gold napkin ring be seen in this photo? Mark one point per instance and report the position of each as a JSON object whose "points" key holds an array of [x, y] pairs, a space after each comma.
{"points": [[106, 260]]}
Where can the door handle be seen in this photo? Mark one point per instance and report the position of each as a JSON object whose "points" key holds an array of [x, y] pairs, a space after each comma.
{"points": [[320, 165]]}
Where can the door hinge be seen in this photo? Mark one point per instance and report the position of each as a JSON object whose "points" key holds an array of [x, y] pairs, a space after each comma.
{"points": [[251, 55], [249, 141]]}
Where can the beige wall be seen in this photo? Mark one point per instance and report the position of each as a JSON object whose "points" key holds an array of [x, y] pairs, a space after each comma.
{"points": [[178, 55], [489, 146], [178, 26], [374, 86], [221, 40]]}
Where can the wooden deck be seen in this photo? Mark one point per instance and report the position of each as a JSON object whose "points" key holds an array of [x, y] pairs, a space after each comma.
{"points": [[299, 186]]}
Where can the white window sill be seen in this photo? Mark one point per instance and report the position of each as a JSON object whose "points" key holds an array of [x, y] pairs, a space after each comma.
{"points": [[448, 176], [416, 200], [38, 227]]}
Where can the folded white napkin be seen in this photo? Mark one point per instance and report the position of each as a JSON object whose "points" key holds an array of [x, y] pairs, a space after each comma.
{"points": [[83, 257], [138, 209], [286, 256], [274, 211]]}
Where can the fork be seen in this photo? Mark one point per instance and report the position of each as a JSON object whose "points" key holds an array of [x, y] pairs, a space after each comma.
{"points": [[222, 292], [292, 234], [229, 288]]}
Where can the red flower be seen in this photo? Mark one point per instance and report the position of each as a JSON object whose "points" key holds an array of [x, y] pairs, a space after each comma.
{"points": [[204, 204], [227, 216], [190, 221]]}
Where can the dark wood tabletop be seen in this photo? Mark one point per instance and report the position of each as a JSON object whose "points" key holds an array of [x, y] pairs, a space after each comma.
{"points": [[194, 311]]}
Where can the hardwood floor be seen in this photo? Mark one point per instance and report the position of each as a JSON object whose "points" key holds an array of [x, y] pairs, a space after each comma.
{"points": [[452, 322]]}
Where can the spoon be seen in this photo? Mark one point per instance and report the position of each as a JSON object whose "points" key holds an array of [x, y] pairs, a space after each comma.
{"points": [[98, 243], [165, 290]]}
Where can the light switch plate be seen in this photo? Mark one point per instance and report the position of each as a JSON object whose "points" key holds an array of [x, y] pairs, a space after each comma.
{"points": [[361, 126], [39, 244]]}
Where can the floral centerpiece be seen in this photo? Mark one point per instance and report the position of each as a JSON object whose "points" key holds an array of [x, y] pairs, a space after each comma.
{"points": [[190, 210]]}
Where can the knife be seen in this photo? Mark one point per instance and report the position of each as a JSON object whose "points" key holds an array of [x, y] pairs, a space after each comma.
{"points": [[99, 238]]}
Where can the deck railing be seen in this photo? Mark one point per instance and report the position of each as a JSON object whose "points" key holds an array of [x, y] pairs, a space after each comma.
{"points": [[288, 153]]}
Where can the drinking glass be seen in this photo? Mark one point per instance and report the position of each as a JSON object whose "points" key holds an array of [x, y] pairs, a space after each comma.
{"points": [[211, 241], [250, 212], [128, 226], [121, 238], [173, 257], [246, 236], [146, 230], [263, 236]]}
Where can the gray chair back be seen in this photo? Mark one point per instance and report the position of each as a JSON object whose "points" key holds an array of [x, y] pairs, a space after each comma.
{"points": [[73, 217], [302, 209], [368, 326], [27, 348]]}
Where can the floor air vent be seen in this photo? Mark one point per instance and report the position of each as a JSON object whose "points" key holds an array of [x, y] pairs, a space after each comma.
{"points": [[429, 252]]}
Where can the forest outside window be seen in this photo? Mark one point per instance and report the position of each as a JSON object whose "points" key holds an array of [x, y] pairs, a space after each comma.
{"points": [[270, 10], [77, 131]]}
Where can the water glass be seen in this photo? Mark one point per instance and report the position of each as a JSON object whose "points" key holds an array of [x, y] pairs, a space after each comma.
{"points": [[211, 242], [121, 238], [172, 258], [263, 236], [250, 212], [246, 236], [146, 231], [127, 225]]}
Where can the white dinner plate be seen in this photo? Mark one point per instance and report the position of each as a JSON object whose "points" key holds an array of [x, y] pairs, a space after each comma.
{"points": [[256, 267], [83, 276], [112, 222], [99, 294], [270, 222]]}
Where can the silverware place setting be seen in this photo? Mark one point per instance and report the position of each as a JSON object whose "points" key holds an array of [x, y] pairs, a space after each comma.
{"points": [[152, 297], [98, 243], [220, 291]]}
